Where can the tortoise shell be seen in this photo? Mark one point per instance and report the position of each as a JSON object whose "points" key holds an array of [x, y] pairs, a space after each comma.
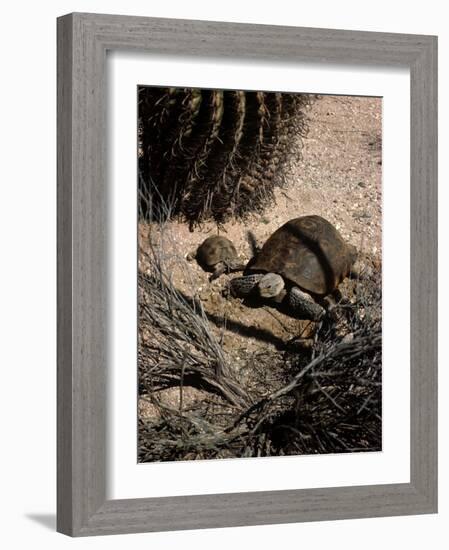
{"points": [[213, 250], [308, 252]]}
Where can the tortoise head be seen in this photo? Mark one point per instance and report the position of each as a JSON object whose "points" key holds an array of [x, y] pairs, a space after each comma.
{"points": [[270, 285]]}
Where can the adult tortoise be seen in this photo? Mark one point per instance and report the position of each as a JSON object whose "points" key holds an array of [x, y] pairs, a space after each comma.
{"points": [[217, 254], [302, 262]]}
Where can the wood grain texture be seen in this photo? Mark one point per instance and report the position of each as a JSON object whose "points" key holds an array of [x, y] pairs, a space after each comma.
{"points": [[423, 274], [64, 277], [83, 40]]}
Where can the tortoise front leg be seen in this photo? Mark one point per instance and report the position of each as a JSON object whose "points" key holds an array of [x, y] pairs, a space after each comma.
{"points": [[234, 265], [226, 267], [244, 286], [304, 305], [219, 269]]}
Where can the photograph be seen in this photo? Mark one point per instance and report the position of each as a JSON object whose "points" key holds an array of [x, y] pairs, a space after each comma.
{"points": [[259, 274]]}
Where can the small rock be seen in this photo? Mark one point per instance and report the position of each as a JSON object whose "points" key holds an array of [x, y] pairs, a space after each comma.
{"points": [[361, 214], [361, 184]]}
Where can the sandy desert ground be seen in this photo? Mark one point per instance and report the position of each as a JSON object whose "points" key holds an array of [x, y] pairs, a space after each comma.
{"points": [[339, 176]]}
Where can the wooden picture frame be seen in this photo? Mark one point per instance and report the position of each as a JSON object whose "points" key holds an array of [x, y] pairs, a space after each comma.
{"points": [[83, 40]]}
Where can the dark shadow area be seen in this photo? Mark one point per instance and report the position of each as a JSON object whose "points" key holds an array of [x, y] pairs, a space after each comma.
{"points": [[239, 328], [251, 332], [46, 520], [256, 302], [253, 243]]}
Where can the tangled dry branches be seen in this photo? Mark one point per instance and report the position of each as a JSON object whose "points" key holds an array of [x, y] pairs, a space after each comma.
{"points": [[323, 401]]}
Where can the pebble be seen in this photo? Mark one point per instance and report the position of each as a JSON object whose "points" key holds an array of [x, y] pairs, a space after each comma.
{"points": [[361, 214]]}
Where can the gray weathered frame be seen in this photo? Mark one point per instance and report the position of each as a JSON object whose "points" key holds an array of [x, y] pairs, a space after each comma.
{"points": [[83, 40]]}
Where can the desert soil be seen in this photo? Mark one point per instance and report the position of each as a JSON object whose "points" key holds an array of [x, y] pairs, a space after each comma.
{"points": [[338, 176]]}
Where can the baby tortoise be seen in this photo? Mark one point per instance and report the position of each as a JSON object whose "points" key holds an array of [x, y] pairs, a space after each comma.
{"points": [[299, 265], [217, 254]]}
